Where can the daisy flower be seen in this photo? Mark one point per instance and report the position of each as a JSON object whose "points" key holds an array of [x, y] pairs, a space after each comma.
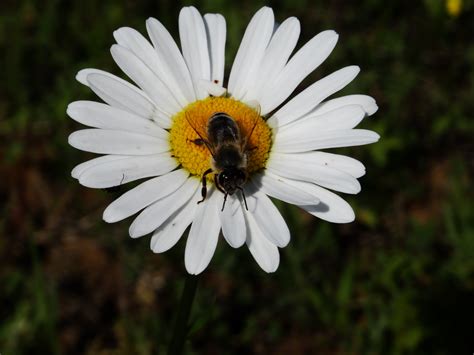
{"points": [[150, 131]]}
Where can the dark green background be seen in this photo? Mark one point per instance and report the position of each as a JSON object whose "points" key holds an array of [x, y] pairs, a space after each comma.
{"points": [[399, 280]]}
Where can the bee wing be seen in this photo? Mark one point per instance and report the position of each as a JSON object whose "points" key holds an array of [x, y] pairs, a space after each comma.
{"points": [[201, 131], [246, 139]]}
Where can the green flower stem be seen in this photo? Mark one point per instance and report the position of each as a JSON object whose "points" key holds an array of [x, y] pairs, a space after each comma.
{"points": [[180, 329]]}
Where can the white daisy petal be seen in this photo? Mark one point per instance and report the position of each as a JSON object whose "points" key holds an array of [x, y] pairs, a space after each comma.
{"points": [[336, 161], [325, 176], [331, 207], [345, 117], [203, 236], [324, 140], [117, 92], [216, 36], [144, 195], [263, 251], [367, 102], [249, 190], [192, 33], [98, 115], [212, 88], [82, 74], [139, 45], [154, 215], [105, 141], [169, 233], [146, 79], [232, 221], [277, 187], [313, 95], [279, 49], [121, 171], [79, 169], [271, 223], [308, 58], [167, 49], [251, 52]]}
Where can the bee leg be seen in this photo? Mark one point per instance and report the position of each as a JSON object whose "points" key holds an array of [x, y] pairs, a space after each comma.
{"points": [[225, 199], [216, 182], [204, 187], [243, 195]]}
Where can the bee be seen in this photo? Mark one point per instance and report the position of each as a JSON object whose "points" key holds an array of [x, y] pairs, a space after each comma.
{"points": [[229, 153]]}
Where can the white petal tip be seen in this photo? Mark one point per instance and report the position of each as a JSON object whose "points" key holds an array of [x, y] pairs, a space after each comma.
{"points": [[292, 20], [354, 68], [372, 109], [108, 217], [194, 266], [70, 139], [345, 218], [81, 76], [134, 234], [157, 250], [132, 230], [114, 49], [371, 137], [283, 244], [212, 88], [353, 187], [86, 183], [120, 34], [348, 219], [331, 37], [187, 9], [75, 173], [270, 269], [236, 245], [340, 219], [117, 35], [70, 110], [266, 9], [193, 270]]}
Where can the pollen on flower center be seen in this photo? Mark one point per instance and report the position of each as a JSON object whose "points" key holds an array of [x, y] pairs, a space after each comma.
{"points": [[196, 158]]}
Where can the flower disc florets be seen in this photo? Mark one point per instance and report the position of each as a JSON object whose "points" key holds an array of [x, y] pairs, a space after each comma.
{"points": [[197, 158]]}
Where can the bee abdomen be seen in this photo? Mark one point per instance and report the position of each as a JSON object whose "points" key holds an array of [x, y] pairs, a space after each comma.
{"points": [[222, 129]]}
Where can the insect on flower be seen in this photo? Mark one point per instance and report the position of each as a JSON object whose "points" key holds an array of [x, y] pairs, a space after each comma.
{"points": [[229, 148]]}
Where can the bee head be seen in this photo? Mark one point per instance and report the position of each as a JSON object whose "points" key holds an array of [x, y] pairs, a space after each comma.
{"points": [[231, 179]]}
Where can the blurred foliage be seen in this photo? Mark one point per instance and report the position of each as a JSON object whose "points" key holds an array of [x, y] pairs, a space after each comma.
{"points": [[399, 280]]}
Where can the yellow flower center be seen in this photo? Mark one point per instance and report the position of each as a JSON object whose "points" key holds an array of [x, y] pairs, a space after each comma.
{"points": [[195, 157]]}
